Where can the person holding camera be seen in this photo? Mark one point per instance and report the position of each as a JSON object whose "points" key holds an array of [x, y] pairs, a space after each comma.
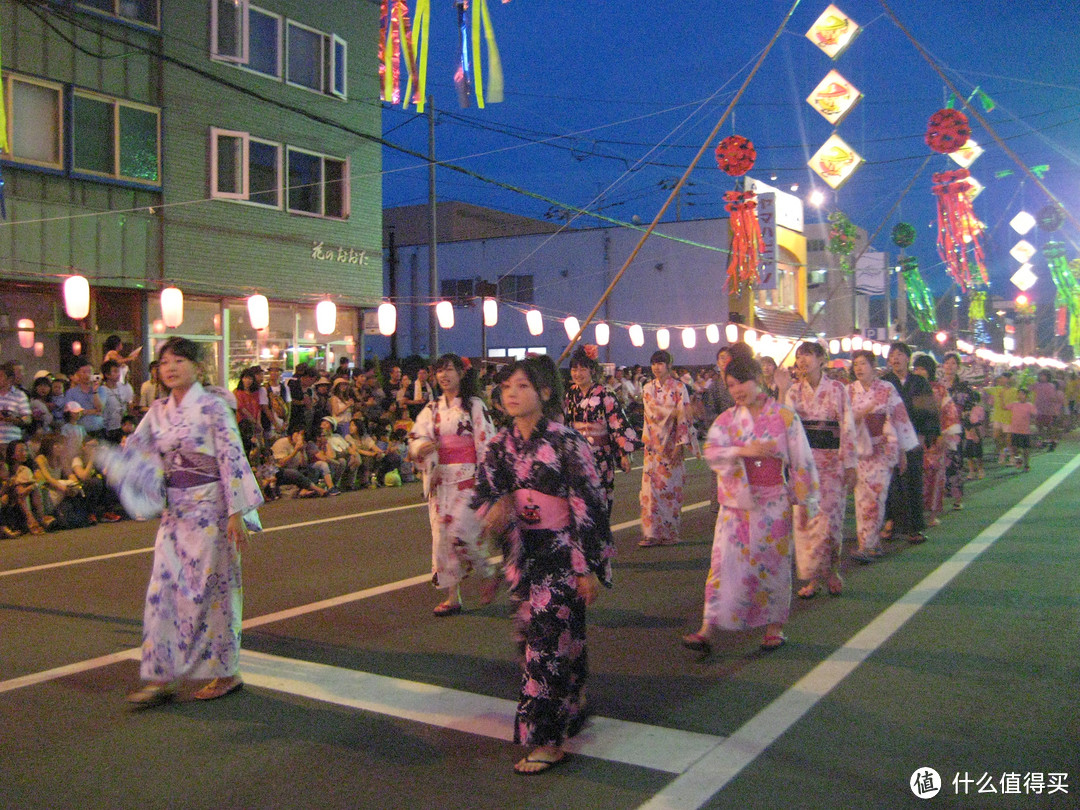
{"points": [[85, 386]]}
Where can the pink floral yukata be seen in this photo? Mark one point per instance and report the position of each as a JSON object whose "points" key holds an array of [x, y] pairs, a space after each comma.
{"points": [[749, 582], [666, 435], [882, 431], [597, 415], [460, 440], [936, 458], [561, 531], [830, 429]]}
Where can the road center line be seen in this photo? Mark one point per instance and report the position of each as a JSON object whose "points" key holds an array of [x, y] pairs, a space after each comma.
{"points": [[714, 771]]}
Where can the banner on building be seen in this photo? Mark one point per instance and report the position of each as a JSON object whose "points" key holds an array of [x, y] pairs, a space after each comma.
{"points": [[770, 251]]}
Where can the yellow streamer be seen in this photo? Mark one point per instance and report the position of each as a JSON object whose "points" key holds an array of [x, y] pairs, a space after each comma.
{"points": [[3, 118], [481, 18], [421, 21]]}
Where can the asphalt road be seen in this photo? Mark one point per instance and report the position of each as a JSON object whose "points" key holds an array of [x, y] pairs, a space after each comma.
{"points": [[958, 655]]}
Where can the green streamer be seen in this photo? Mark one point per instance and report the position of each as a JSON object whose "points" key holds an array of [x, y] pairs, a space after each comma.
{"points": [[1066, 283], [920, 301]]}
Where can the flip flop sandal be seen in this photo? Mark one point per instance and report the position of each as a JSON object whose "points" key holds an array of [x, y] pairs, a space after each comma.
{"points": [[444, 610], [773, 643], [218, 688], [697, 642], [547, 764], [808, 591], [150, 695], [835, 586]]}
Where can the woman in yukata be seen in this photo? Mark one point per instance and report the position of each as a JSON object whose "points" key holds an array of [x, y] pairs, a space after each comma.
{"points": [[666, 435], [936, 460], [594, 412], [191, 624], [449, 437], [822, 405], [763, 465], [883, 435], [539, 484]]}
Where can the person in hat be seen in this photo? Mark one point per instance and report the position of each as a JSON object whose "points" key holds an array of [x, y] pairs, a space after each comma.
{"points": [[320, 405], [333, 450]]}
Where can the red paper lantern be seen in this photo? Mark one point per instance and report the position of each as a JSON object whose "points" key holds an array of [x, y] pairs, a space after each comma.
{"points": [[947, 131], [735, 155]]}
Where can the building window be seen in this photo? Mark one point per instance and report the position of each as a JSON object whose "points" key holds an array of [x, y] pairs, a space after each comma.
{"points": [[314, 60], [117, 139], [264, 42], [815, 245], [141, 12], [35, 125], [318, 184], [246, 36], [458, 292], [245, 168], [228, 30], [516, 289]]}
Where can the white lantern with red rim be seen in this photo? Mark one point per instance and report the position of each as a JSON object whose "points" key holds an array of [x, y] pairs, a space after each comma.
{"points": [[572, 326], [26, 333], [76, 297], [731, 332]]}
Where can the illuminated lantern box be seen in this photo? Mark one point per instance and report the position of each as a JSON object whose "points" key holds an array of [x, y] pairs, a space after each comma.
{"points": [[834, 98], [833, 32], [835, 161], [967, 154]]}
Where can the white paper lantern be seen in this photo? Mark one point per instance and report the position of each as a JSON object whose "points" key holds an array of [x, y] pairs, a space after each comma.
{"points": [[845, 344], [637, 335], [158, 326], [689, 337], [572, 325], [258, 312], [387, 313], [39, 349], [76, 297], [731, 332], [326, 317], [76, 347], [491, 312], [603, 334], [172, 307], [663, 339], [750, 338], [712, 333], [535, 322], [444, 311], [856, 342], [26, 333], [834, 346], [1022, 222]]}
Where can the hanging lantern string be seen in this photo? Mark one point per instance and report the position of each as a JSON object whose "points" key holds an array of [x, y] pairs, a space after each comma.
{"points": [[977, 116], [677, 188]]}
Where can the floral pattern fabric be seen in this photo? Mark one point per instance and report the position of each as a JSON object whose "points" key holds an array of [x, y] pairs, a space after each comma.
{"points": [[194, 603], [749, 581], [597, 415], [936, 459], [666, 434], [456, 548], [542, 566]]}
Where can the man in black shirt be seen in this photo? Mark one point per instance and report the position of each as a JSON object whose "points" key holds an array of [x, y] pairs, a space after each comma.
{"points": [[905, 503]]}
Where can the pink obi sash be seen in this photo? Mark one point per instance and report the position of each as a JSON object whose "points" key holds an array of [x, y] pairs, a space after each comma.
{"points": [[875, 424], [456, 450], [595, 433], [539, 511], [187, 470], [764, 471]]}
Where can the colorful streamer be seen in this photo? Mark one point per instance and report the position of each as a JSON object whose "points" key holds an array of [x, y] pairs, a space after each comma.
{"points": [[1067, 285], [920, 301], [958, 227], [481, 19], [395, 46], [420, 31], [977, 306], [745, 238], [842, 235]]}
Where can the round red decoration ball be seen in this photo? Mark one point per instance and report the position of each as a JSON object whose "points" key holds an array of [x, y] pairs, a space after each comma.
{"points": [[735, 155], [947, 131]]}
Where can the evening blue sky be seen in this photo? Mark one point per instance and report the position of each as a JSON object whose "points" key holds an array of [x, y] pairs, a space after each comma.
{"points": [[607, 102]]}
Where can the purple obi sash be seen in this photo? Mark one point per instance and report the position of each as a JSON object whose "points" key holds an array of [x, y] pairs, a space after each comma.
{"points": [[539, 511], [875, 423], [187, 470], [764, 471], [456, 450]]}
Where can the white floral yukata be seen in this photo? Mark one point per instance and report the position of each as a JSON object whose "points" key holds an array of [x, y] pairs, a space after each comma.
{"points": [[667, 431], [191, 623], [449, 473], [880, 437], [749, 582], [826, 417]]}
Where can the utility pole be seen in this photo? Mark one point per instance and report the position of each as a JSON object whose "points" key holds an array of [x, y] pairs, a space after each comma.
{"points": [[392, 266], [433, 269]]}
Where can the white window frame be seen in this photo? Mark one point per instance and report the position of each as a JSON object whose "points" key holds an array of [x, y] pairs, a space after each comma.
{"points": [[244, 194], [321, 59], [241, 11], [116, 103], [331, 84], [346, 192], [279, 73], [8, 100], [132, 20], [279, 149]]}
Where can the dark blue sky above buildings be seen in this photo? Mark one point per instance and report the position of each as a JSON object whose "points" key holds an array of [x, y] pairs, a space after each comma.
{"points": [[606, 103]]}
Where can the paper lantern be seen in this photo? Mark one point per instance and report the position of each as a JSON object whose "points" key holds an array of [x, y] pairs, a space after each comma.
{"points": [[833, 31], [326, 317], [535, 322], [444, 311], [39, 349], [845, 344], [731, 332], [877, 349], [712, 333], [856, 343], [172, 307], [663, 339], [834, 346], [834, 97], [1022, 251], [1022, 222], [158, 326], [750, 338], [572, 326], [76, 297], [1024, 278], [26, 333], [387, 314], [689, 338], [76, 347], [835, 161], [637, 336], [966, 154], [491, 312], [258, 312], [603, 334]]}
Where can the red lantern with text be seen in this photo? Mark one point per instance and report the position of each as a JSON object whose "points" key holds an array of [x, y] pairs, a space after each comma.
{"points": [[958, 229], [745, 238], [735, 155]]}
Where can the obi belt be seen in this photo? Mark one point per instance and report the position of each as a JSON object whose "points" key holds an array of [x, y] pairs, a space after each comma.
{"points": [[536, 510], [875, 424], [187, 470], [764, 471], [456, 449], [595, 433], [823, 434]]}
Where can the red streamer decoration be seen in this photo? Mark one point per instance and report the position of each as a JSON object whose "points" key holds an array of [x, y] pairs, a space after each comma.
{"points": [[958, 228], [745, 238], [395, 43], [947, 131], [735, 155]]}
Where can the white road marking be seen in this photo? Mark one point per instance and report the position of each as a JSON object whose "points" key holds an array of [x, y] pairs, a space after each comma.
{"points": [[717, 768]]}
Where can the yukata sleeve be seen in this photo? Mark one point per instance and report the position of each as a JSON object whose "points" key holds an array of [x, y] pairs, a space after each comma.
{"points": [[900, 422], [423, 430], [242, 492], [684, 431], [803, 484], [483, 428], [135, 471], [849, 455], [623, 436], [591, 533], [494, 475]]}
